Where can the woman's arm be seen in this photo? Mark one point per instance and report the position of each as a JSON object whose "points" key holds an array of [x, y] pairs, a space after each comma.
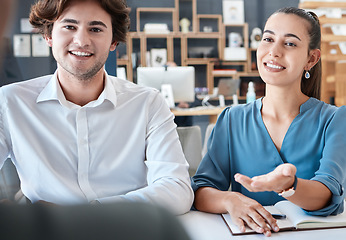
{"points": [[243, 210], [309, 194]]}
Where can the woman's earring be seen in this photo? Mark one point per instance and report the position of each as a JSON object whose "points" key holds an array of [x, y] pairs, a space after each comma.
{"points": [[307, 75]]}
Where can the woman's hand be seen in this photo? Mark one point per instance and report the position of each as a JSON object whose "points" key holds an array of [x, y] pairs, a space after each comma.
{"points": [[278, 180], [245, 211]]}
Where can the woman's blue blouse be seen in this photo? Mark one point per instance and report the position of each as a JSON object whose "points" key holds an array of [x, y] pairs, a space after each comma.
{"points": [[240, 143]]}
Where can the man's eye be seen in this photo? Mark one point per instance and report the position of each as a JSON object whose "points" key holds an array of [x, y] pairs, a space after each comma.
{"points": [[70, 27], [96, 30]]}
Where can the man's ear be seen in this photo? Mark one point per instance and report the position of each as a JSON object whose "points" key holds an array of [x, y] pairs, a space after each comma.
{"points": [[48, 40], [113, 46], [314, 57]]}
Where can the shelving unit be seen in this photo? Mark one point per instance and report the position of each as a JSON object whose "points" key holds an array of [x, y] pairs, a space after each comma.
{"points": [[217, 73], [186, 39], [173, 11], [245, 34], [331, 54], [125, 63], [340, 83]]}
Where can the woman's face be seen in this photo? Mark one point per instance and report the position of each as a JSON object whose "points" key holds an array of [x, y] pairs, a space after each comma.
{"points": [[283, 54]]}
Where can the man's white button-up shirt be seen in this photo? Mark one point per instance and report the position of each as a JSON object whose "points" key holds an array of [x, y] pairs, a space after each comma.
{"points": [[122, 146]]}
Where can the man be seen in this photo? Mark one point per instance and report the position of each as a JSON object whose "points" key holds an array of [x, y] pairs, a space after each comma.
{"points": [[81, 135]]}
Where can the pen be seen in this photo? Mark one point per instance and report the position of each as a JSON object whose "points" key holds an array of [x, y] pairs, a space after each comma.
{"points": [[278, 216]]}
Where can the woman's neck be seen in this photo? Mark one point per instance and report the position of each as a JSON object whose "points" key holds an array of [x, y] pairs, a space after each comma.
{"points": [[282, 103]]}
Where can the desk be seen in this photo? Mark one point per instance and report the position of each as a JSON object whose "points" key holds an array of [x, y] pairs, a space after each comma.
{"points": [[213, 112], [206, 226]]}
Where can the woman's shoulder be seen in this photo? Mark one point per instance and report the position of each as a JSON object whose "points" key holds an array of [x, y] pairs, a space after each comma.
{"points": [[244, 109], [322, 108], [238, 113], [324, 112]]}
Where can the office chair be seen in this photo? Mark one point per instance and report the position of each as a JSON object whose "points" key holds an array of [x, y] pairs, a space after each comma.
{"points": [[191, 142], [206, 137], [9, 181]]}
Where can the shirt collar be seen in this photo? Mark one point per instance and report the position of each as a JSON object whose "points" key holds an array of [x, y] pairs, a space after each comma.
{"points": [[304, 107], [308, 104], [258, 104], [53, 91]]}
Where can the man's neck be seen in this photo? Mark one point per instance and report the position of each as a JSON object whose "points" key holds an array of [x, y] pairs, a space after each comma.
{"points": [[81, 91]]}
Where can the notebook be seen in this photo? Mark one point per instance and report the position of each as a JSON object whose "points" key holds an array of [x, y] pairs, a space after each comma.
{"points": [[294, 219]]}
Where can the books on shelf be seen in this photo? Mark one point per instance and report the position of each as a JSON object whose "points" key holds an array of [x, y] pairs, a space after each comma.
{"points": [[225, 71], [294, 218], [156, 28], [235, 53]]}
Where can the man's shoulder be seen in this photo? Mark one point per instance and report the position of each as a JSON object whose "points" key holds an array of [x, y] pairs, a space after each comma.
{"points": [[125, 86], [38, 82], [33, 86]]}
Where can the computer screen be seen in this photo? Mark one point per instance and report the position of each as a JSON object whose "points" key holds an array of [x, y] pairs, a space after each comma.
{"points": [[182, 80]]}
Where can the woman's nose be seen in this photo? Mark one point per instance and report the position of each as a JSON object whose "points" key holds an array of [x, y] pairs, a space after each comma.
{"points": [[275, 50]]}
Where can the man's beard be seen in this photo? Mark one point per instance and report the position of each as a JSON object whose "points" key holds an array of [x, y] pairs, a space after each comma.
{"points": [[86, 75]]}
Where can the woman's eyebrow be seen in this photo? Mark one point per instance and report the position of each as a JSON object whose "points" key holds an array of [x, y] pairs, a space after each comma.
{"points": [[286, 35], [292, 35]]}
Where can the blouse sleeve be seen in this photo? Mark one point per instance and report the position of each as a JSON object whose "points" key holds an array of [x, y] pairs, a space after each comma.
{"points": [[214, 169], [332, 171]]}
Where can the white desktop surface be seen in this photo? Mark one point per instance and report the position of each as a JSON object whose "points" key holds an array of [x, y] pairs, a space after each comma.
{"points": [[206, 226]]}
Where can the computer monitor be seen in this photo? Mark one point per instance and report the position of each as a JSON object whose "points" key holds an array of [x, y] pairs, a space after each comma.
{"points": [[121, 73], [182, 80]]}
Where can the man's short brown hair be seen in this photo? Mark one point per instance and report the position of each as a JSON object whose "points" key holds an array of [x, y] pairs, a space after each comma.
{"points": [[45, 12]]}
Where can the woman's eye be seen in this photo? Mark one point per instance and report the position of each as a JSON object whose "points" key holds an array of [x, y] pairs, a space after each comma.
{"points": [[267, 40], [290, 44]]}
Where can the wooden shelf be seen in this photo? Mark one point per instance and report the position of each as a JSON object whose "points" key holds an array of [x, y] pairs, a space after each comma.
{"points": [[313, 4], [218, 39], [174, 11], [329, 59], [225, 73], [245, 34], [340, 84], [200, 35], [122, 61], [147, 9], [327, 21], [199, 61], [209, 16], [249, 74], [333, 58], [333, 38], [151, 35]]}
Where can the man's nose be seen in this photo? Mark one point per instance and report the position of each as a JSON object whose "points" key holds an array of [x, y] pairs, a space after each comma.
{"points": [[82, 38]]}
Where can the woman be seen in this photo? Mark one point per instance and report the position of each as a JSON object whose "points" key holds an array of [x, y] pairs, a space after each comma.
{"points": [[286, 145]]}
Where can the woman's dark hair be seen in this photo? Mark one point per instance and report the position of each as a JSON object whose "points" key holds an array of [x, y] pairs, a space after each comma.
{"points": [[45, 12], [311, 86]]}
